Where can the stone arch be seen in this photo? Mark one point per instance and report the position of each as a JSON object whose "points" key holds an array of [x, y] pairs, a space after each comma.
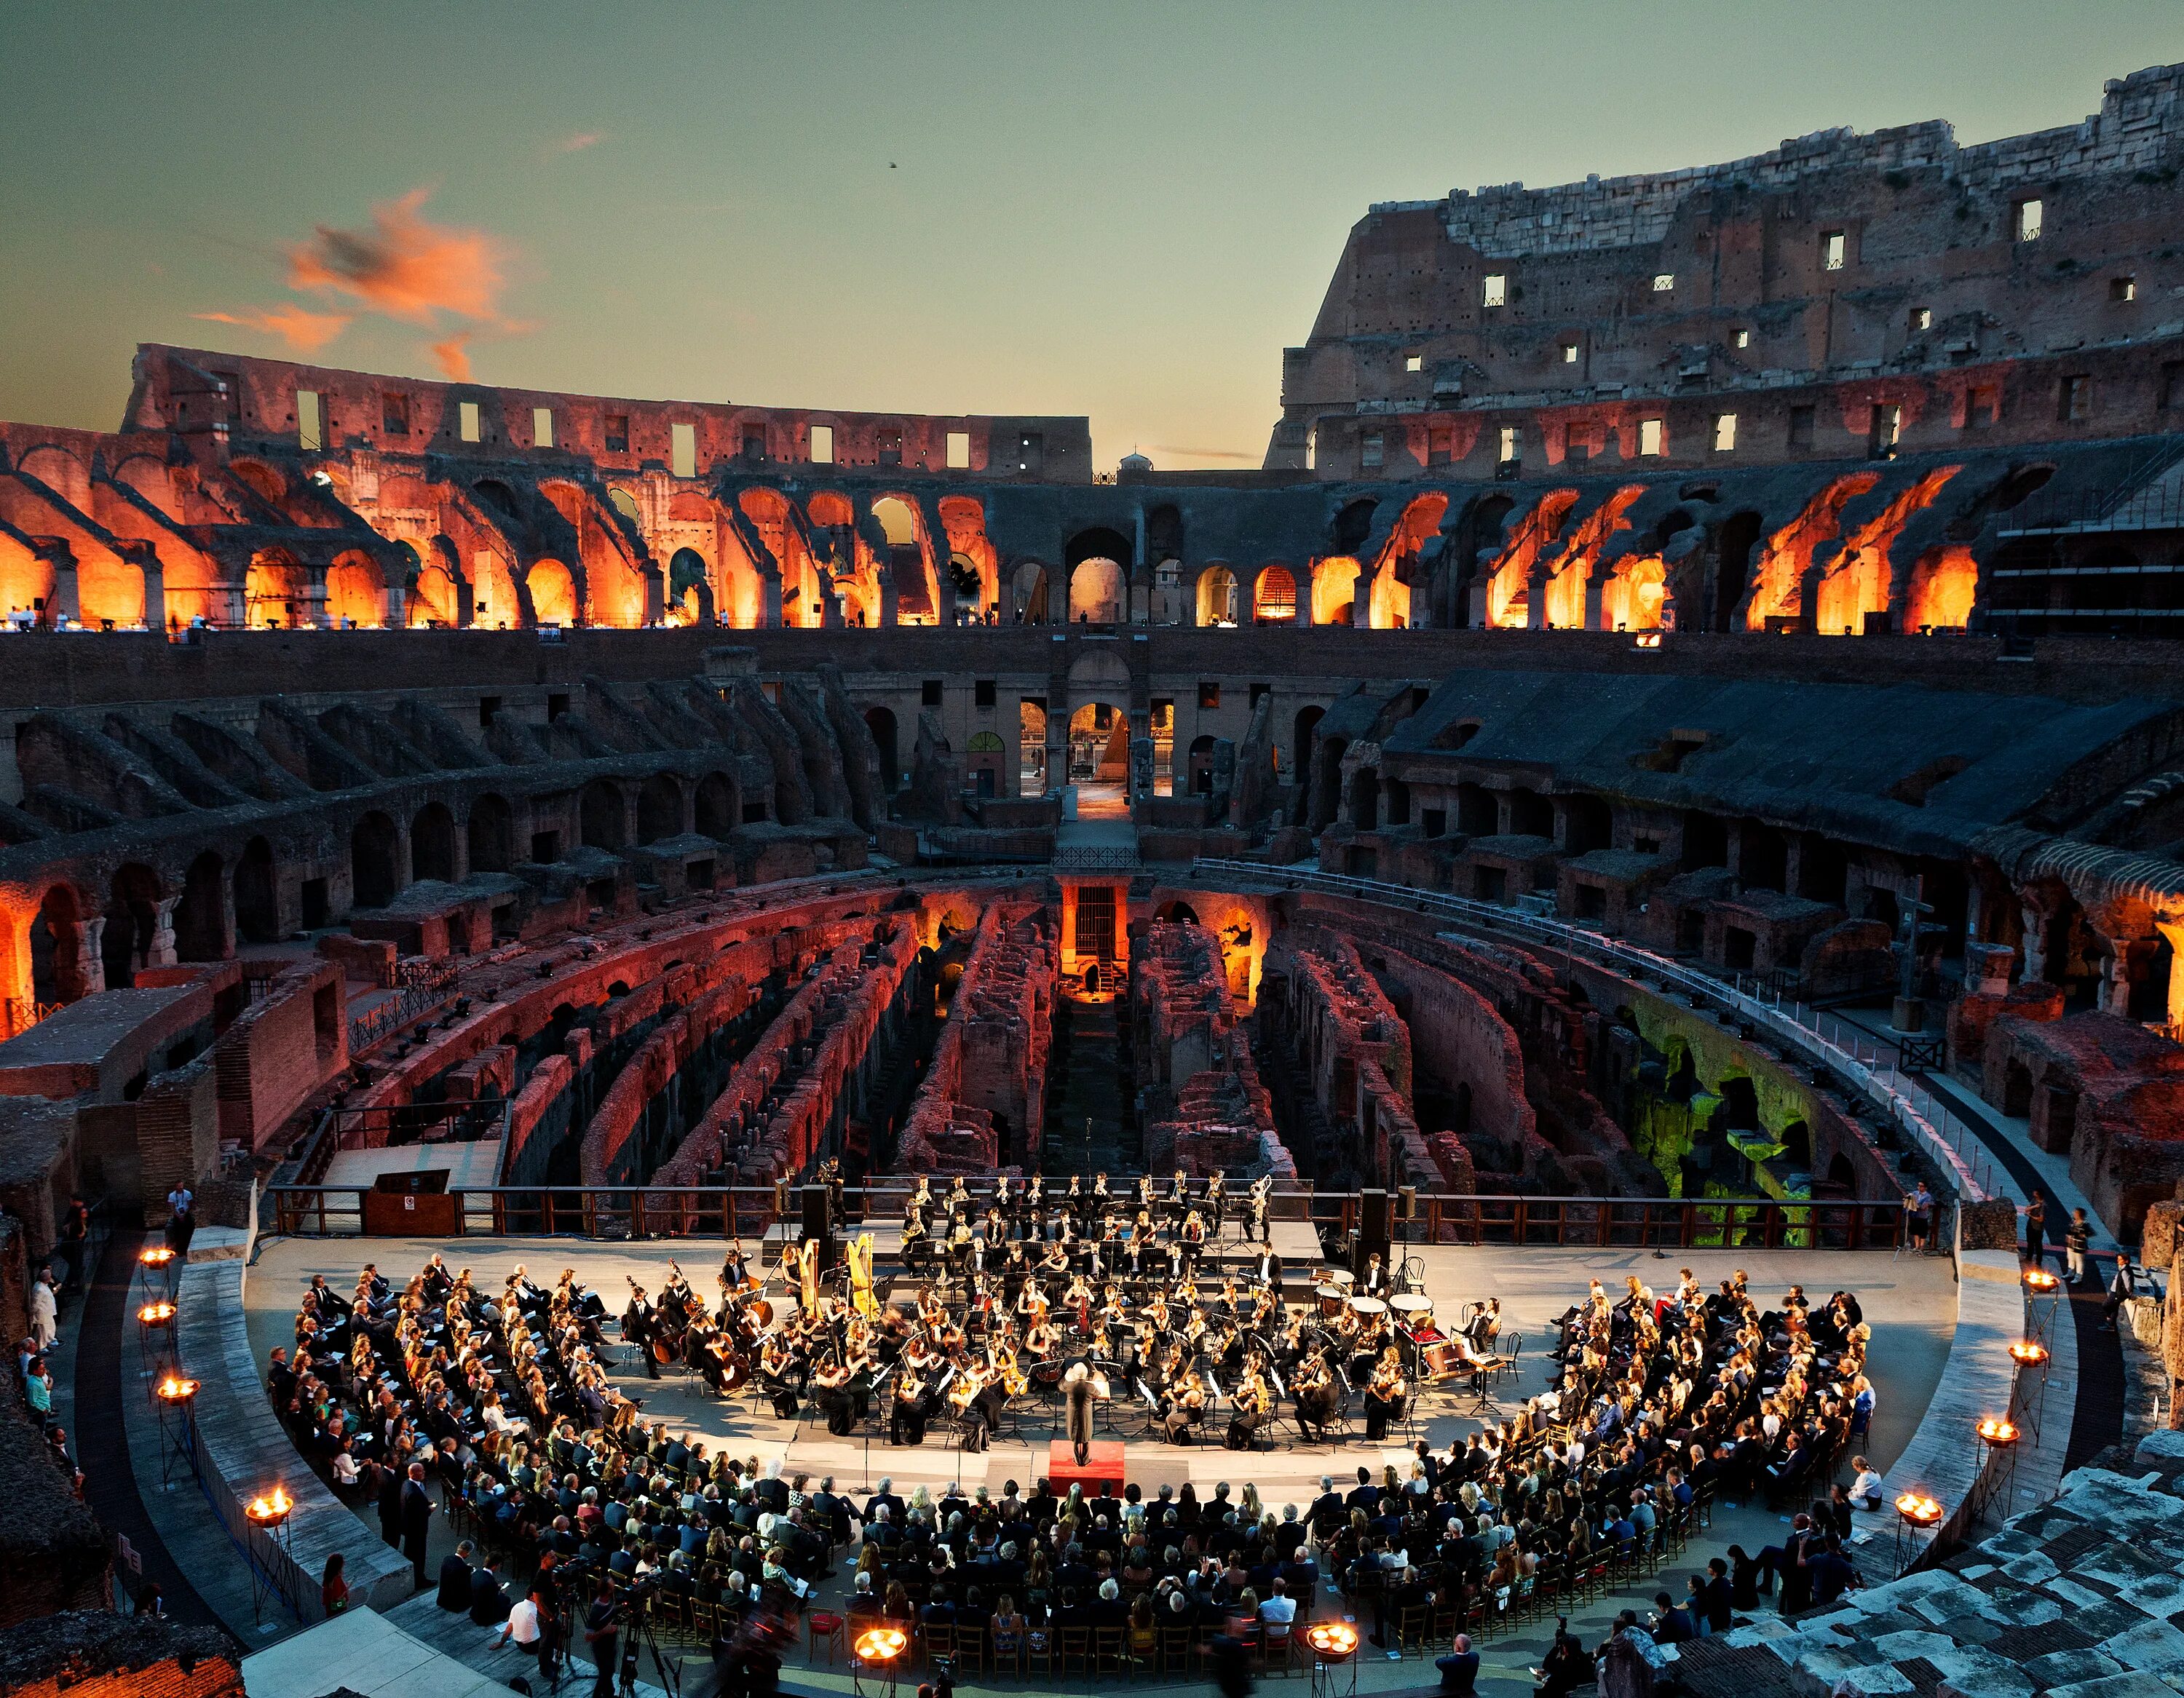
{"points": [[881, 722], [132, 922], [256, 894], [1734, 543], [554, 599], [1097, 592], [1176, 913], [57, 947], [1028, 592], [491, 834], [499, 601], [356, 591], [715, 806], [275, 591], [1217, 596], [1274, 596], [374, 861], [433, 843], [1201, 780], [1307, 719], [201, 914], [689, 588], [659, 809], [26, 581], [600, 815], [1334, 591]]}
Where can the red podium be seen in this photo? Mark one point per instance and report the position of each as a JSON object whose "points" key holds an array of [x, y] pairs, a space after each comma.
{"points": [[1103, 1465]]}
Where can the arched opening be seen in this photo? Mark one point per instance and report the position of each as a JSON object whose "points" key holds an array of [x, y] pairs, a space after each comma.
{"points": [[986, 757], [1176, 914], [132, 920], [492, 833], [553, 593], [880, 722], [375, 871], [1531, 814], [1028, 593], [1274, 597], [1100, 759], [1300, 755], [1216, 598], [275, 591], [659, 809], [1588, 824], [689, 589], [26, 581], [257, 902], [201, 917], [1031, 748], [1842, 1175], [1365, 799], [715, 806], [434, 599], [1797, 1142], [356, 591], [1732, 571], [496, 603], [57, 948], [1095, 592], [1326, 801], [917, 596], [1201, 767], [600, 815], [433, 843], [1334, 591]]}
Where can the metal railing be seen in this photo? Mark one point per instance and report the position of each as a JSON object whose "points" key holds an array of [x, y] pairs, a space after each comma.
{"points": [[724, 1212], [1854, 1054]]}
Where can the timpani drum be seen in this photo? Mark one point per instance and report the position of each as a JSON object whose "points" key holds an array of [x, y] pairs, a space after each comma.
{"points": [[1334, 1291], [1367, 1308], [1413, 1310]]}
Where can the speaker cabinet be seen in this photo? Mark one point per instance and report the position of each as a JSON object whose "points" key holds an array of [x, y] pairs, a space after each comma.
{"points": [[818, 1226], [1375, 1230]]}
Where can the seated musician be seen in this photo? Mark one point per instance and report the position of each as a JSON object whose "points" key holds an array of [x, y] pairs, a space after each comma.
{"points": [[1254, 1405], [909, 1406], [1185, 1409], [1374, 1282], [1319, 1398], [1055, 1260], [778, 1366], [1385, 1392], [830, 1390], [1194, 1240]]}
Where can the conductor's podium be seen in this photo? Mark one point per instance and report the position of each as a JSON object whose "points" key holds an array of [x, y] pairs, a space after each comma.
{"points": [[1102, 1466]]}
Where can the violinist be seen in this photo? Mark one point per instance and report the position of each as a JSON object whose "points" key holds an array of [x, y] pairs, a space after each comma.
{"points": [[909, 1405], [1385, 1392], [1185, 1409], [1318, 1400], [777, 1370], [1253, 1403], [830, 1390]]}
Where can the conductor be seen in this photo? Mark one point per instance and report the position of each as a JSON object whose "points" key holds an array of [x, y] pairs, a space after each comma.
{"points": [[1080, 1384]]}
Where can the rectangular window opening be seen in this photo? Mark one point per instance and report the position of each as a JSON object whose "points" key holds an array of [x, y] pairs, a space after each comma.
{"points": [[1800, 426], [1649, 438], [683, 439], [310, 432], [394, 413], [1372, 451], [1724, 433], [542, 427], [959, 450], [2123, 288], [617, 433], [1497, 289], [753, 444], [1209, 695], [823, 445], [1744, 338], [982, 692], [1832, 249], [1416, 362], [933, 692], [2028, 221], [466, 421], [2075, 399], [1509, 450], [1922, 318], [1569, 354], [1663, 281]]}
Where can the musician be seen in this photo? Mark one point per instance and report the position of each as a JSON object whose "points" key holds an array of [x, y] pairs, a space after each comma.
{"points": [[830, 1390], [636, 1327], [1215, 1200], [1385, 1392], [1262, 1201], [1254, 1405], [1319, 1398], [735, 1269], [1080, 1385], [912, 1403], [778, 1368], [1194, 1240], [1267, 1270], [1185, 1409], [1374, 1282]]}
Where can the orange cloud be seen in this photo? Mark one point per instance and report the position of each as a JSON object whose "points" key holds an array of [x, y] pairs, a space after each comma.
{"points": [[301, 329], [404, 265], [454, 357], [577, 142]]}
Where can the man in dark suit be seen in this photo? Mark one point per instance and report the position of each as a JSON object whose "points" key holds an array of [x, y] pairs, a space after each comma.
{"points": [[1328, 1505], [455, 1579], [416, 1521], [488, 1603], [1365, 1494], [390, 1506], [887, 1496], [1266, 1269]]}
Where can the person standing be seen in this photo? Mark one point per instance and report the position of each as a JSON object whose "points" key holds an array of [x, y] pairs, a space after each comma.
{"points": [[2077, 1239], [1079, 1386], [417, 1508], [2121, 1289], [2035, 1230], [602, 1639], [45, 1311]]}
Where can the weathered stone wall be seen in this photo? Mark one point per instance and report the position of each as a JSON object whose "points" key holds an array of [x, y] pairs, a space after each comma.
{"points": [[983, 1105]]}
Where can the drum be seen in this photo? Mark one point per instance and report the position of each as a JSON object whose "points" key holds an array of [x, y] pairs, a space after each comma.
{"points": [[1334, 1292], [1413, 1310], [1365, 1308], [1437, 1361]]}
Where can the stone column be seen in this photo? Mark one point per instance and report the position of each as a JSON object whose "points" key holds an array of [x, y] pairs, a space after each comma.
{"points": [[2036, 943], [90, 962], [162, 953]]}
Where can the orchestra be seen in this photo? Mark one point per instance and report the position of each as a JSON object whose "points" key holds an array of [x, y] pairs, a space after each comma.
{"points": [[1020, 1290]]}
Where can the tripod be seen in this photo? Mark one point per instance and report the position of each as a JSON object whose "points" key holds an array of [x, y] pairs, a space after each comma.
{"points": [[641, 1637]]}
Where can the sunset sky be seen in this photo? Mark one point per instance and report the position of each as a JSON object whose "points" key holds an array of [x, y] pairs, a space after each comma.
{"points": [[1118, 209]]}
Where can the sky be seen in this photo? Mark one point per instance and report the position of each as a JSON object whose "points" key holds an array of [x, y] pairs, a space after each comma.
{"points": [[1118, 209]]}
